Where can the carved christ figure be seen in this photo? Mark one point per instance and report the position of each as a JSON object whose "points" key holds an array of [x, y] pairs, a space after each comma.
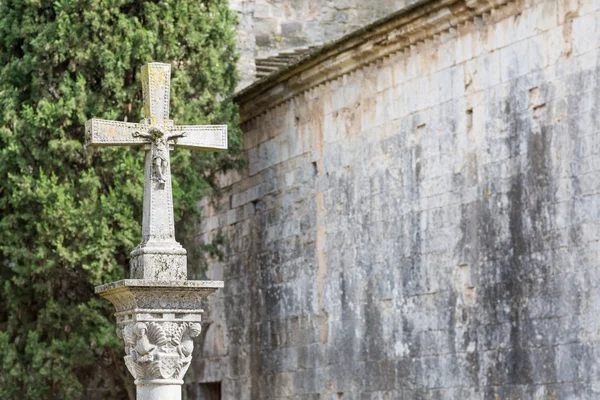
{"points": [[160, 150]]}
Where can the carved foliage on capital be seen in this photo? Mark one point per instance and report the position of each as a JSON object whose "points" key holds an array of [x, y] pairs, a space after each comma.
{"points": [[179, 300], [159, 350]]}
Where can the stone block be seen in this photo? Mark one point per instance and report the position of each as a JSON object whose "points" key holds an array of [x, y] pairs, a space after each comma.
{"points": [[158, 263], [514, 61], [291, 28], [385, 79], [585, 33]]}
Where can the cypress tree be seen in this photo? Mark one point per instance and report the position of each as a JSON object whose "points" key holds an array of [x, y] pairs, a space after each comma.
{"points": [[69, 216]]}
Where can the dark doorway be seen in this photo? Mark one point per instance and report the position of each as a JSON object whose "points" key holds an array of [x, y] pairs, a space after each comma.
{"points": [[210, 391]]}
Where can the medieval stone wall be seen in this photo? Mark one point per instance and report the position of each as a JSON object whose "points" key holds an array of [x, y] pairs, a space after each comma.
{"points": [[424, 227], [267, 27]]}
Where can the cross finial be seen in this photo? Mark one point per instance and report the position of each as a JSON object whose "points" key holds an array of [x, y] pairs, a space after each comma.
{"points": [[158, 256]]}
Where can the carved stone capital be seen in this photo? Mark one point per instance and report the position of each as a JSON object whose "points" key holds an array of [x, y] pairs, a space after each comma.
{"points": [[158, 321], [158, 351], [130, 296]]}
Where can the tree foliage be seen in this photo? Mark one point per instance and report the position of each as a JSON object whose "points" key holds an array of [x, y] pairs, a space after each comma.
{"points": [[70, 216]]}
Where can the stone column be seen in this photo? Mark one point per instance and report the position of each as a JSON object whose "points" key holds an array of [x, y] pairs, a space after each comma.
{"points": [[158, 311], [158, 392], [158, 321]]}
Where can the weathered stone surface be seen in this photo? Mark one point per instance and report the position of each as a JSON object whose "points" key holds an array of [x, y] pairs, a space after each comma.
{"points": [[270, 27], [154, 392], [158, 256], [158, 321], [158, 315], [154, 264], [424, 222], [135, 289]]}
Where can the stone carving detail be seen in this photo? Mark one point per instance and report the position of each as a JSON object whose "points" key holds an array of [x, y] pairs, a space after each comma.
{"points": [[123, 300], [159, 136], [156, 83], [158, 256], [101, 132], [158, 310], [205, 136], [158, 350], [129, 300]]}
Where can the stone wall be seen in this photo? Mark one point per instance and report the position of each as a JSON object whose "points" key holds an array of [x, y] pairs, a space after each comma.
{"points": [[268, 27], [425, 226]]}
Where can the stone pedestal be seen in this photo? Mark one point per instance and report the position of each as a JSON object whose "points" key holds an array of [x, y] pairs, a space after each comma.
{"points": [[158, 321], [158, 262]]}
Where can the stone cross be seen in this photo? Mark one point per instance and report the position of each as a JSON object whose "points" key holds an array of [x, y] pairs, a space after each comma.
{"points": [[157, 133], [158, 311]]}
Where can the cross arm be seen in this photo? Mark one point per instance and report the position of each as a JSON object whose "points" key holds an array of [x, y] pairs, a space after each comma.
{"points": [[201, 137], [102, 132]]}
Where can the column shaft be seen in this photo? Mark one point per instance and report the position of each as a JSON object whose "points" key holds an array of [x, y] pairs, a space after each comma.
{"points": [[158, 392]]}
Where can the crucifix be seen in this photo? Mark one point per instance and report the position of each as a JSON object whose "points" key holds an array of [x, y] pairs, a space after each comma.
{"points": [[158, 311], [159, 135]]}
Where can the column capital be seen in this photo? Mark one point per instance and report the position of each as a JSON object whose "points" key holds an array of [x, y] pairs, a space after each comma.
{"points": [[158, 353], [158, 321]]}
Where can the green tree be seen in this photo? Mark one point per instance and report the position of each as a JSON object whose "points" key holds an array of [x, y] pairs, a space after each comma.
{"points": [[69, 217]]}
